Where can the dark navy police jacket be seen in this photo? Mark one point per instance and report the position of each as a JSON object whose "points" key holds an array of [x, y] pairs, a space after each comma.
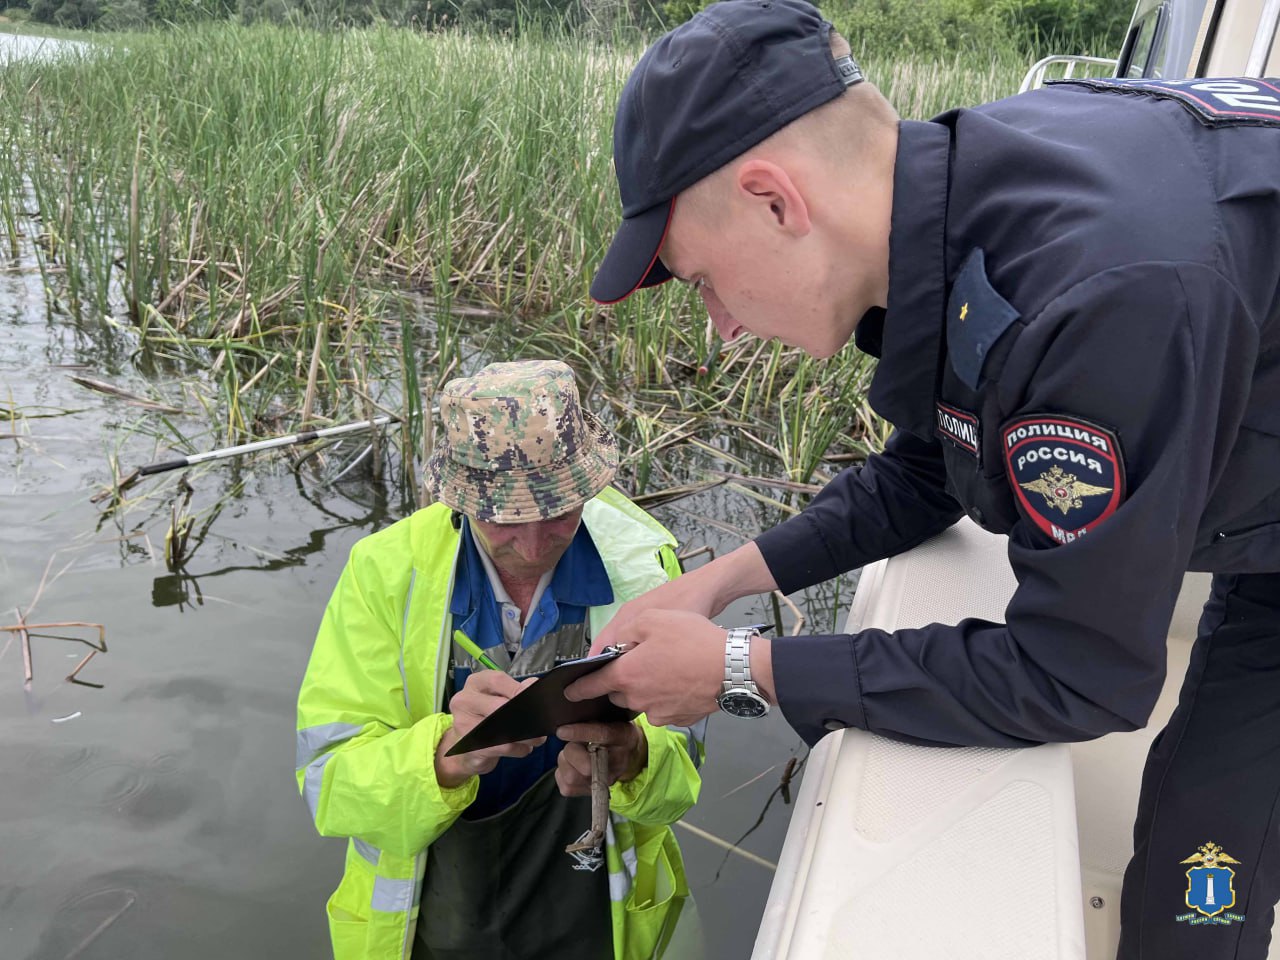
{"points": [[1082, 351]]}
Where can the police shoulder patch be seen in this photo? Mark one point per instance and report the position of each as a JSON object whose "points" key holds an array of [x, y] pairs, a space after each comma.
{"points": [[962, 428], [1214, 101], [976, 316], [1067, 473]]}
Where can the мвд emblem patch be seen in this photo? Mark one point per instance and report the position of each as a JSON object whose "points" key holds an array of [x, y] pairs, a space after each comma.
{"points": [[1211, 891], [1067, 473]]}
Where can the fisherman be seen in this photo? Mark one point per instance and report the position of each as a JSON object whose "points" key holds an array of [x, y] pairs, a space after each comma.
{"points": [[525, 555], [1074, 296]]}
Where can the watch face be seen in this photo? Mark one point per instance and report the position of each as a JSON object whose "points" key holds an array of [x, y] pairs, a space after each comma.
{"points": [[739, 703]]}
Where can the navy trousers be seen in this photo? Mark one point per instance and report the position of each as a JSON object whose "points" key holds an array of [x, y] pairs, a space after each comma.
{"points": [[1205, 874]]}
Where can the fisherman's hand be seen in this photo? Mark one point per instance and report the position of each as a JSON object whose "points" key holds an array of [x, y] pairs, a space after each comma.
{"points": [[704, 591], [672, 671], [484, 692], [625, 742]]}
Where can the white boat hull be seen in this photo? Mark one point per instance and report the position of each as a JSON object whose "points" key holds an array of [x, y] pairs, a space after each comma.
{"points": [[898, 852]]}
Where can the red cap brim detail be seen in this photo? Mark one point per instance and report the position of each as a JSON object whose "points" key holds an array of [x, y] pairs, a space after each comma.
{"points": [[632, 261]]}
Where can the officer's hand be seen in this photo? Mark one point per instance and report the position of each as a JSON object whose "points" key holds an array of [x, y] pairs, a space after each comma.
{"points": [[672, 671], [483, 693], [627, 748], [683, 593], [705, 591]]}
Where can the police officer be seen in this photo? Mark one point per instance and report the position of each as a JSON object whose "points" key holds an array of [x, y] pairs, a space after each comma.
{"points": [[1074, 296]]}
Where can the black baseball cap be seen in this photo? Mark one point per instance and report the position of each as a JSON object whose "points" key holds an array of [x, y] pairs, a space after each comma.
{"points": [[703, 94]]}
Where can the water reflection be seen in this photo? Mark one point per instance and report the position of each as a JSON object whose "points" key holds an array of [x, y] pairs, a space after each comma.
{"points": [[87, 917], [182, 588], [178, 586], [164, 820]]}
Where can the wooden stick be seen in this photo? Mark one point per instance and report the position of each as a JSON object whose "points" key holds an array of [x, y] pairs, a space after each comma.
{"points": [[23, 627], [599, 800], [599, 791], [87, 657]]}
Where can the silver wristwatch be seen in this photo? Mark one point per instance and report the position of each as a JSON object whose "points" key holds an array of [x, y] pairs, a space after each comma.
{"points": [[740, 696]]}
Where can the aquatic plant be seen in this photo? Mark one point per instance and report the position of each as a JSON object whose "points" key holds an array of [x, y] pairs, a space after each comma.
{"points": [[288, 228]]}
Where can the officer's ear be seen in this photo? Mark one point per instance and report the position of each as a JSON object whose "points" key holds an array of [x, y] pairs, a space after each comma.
{"points": [[768, 189]]}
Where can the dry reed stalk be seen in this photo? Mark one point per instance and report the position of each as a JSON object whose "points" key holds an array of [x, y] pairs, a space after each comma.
{"points": [[26, 652], [366, 399], [182, 285], [45, 581], [726, 845], [719, 454], [706, 548], [313, 374], [790, 486], [375, 445], [702, 518], [22, 625], [756, 495], [647, 501], [23, 630], [766, 447], [778, 595], [262, 372], [98, 930], [759, 776], [101, 386], [71, 677]]}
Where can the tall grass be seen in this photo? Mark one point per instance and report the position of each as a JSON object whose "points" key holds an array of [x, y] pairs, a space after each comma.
{"points": [[254, 200]]}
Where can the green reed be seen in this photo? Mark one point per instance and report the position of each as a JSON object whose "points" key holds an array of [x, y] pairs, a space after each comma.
{"points": [[257, 202]]}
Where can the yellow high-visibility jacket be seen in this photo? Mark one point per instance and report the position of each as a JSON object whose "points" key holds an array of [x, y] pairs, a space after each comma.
{"points": [[370, 720]]}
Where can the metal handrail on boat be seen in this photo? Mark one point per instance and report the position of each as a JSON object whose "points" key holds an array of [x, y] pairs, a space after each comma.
{"points": [[1260, 52], [1035, 77]]}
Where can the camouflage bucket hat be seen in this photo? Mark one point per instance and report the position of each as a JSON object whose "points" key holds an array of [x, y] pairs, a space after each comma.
{"points": [[517, 445]]}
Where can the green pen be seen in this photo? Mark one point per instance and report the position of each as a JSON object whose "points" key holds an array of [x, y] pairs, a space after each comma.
{"points": [[467, 644]]}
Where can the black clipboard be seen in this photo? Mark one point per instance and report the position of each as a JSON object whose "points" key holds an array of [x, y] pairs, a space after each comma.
{"points": [[540, 708]]}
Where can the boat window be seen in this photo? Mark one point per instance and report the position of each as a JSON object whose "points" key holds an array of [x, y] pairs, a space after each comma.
{"points": [[1145, 47], [1187, 18]]}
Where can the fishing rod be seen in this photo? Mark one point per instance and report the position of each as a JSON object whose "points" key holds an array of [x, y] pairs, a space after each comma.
{"points": [[269, 444]]}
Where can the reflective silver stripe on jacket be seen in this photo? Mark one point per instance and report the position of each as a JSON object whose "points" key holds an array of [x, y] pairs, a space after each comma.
{"points": [[392, 896], [313, 740], [619, 886], [367, 850], [313, 781], [620, 882]]}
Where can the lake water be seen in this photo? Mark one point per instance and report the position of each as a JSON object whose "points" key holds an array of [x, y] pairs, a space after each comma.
{"points": [[156, 815], [21, 47]]}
